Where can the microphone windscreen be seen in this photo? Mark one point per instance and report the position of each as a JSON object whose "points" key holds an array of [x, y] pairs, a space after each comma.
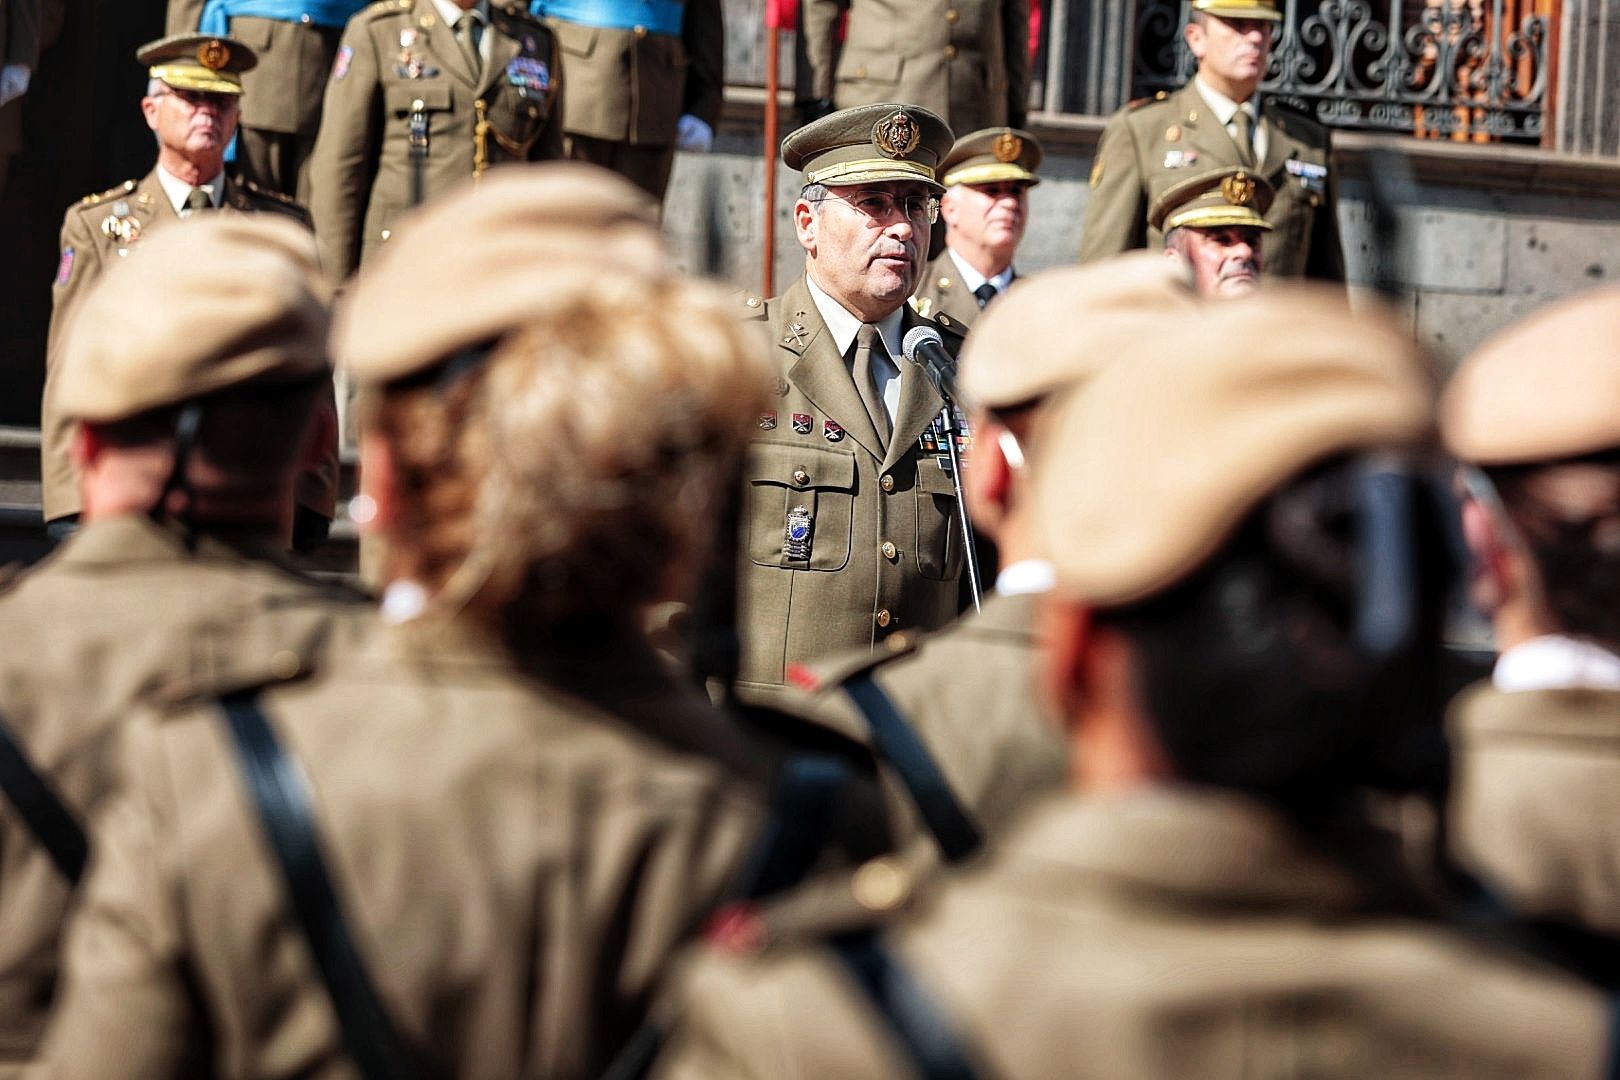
{"points": [[916, 337]]}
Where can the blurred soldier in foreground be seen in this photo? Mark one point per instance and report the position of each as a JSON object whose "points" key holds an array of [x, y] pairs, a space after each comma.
{"points": [[851, 524], [645, 78], [171, 586], [296, 41], [425, 93], [985, 208], [1210, 900], [1212, 225], [965, 60], [1217, 120], [192, 103], [1538, 431], [523, 812], [966, 690]]}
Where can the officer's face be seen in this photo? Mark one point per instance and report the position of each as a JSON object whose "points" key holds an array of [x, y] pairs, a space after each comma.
{"points": [[1230, 52], [986, 216], [867, 243], [196, 125], [1225, 260]]}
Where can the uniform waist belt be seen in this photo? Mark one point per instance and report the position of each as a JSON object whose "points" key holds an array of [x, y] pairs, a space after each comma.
{"points": [[654, 16], [217, 14]]}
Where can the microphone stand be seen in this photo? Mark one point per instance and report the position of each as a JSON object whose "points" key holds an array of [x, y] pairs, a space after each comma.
{"points": [[947, 418]]}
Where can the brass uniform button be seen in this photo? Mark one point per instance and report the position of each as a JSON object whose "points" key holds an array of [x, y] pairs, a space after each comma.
{"points": [[386, 233], [898, 642], [754, 301], [640, 32], [880, 885], [800, 476], [889, 550], [951, 15], [883, 617], [285, 664], [887, 483], [950, 52]]}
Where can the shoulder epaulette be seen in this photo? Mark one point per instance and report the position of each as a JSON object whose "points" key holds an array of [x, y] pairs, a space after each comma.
{"points": [[946, 323], [841, 669], [519, 12], [1132, 106], [385, 7], [753, 305], [122, 189], [286, 200], [1294, 112]]}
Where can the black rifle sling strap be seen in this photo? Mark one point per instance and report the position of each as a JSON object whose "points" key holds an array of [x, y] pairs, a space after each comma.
{"points": [[281, 796], [897, 743], [46, 816], [921, 1027]]}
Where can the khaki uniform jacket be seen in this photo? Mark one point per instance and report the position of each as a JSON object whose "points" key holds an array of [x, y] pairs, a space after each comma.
{"points": [[122, 614], [885, 546], [516, 855], [1138, 159], [399, 52], [1167, 933], [942, 293], [97, 230], [967, 60], [284, 89], [1536, 798], [633, 87], [968, 691]]}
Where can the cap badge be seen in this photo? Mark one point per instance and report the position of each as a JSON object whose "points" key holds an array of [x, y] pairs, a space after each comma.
{"points": [[1238, 189], [896, 135], [1007, 147], [213, 54], [796, 537]]}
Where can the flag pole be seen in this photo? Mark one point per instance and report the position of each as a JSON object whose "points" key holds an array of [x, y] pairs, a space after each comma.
{"points": [[773, 33]]}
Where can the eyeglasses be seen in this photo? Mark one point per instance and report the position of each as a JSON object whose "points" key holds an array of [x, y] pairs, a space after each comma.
{"points": [[196, 99], [881, 205], [1000, 190]]}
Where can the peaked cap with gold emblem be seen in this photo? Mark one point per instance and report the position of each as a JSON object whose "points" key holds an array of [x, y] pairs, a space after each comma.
{"points": [[869, 144], [1240, 9], [992, 156], [1212, 200], [204, 62]]}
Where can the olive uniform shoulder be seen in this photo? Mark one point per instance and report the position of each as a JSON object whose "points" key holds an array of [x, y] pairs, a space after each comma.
{"points": [[100, 197], [10, 574], [837, 671], [380, 9], [1300, 122], [519, 13], [951, 327], [275, 201], [1143, 102], [753, 306]]}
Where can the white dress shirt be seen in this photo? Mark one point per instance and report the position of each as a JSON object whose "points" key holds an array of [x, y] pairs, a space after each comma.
{"points": [[1225, 109], [972, 279], [1556, 662], [179, 191], [451, 14], [844, 325]]}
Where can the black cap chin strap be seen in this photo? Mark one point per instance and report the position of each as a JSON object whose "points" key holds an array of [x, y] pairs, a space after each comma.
{"points": [[185, 438]]}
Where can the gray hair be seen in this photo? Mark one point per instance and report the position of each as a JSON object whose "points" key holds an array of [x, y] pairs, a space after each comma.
{"points": [[813, 194], [156, 87], [1176, 239]]}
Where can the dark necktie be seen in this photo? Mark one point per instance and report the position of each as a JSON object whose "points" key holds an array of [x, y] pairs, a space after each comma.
{"points": [[199, 199], [985, 293], [1244, 137], [866, 382], [468, 31]]}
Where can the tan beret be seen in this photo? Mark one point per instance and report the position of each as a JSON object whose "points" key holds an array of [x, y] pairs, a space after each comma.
{"points": [[204, 62], [1215, 199], [1546, 388], [489, 257], [993, 155], [1144, 473], [870, 144], [211, 303], [1059, 326]]}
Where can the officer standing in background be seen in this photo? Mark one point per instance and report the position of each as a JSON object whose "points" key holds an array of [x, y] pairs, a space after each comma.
{"points": [[966, 60], [1212, 226], [192, 104], [1209, 899], [27, 28], [1218, 119], [985, 210], [173, 580], [296, 41], [645, 78], [1538, 747], [851, 528], [424, 93]]}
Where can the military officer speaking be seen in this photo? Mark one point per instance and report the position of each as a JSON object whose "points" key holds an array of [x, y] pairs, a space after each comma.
{"points": [[851, 523], [985, 209], [296, 41], [645, 78], [1218, 119], [1212, 225], [424, 93], [192, 104]]}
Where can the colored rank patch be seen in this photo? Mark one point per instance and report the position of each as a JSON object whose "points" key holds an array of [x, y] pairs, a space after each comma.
{"points": [[64, 267], [340, 63], [802, 423], [834, 431]]}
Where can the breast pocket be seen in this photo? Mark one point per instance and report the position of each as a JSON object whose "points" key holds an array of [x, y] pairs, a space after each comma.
{"points": [[801, 506], [400, 100], [939, 527]]}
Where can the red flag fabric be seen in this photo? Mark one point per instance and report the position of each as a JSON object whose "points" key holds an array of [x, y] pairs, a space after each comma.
{"points": [[782, 14]]}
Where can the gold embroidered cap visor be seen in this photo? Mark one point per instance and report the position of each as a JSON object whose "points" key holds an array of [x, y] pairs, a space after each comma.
{"points": [[869, 144], [202, 62], [992, 156], [243, 302], [1239, 9], [1212, 200]]}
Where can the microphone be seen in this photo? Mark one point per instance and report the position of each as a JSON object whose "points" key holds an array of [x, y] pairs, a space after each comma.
{"points": [[924, 347]]}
